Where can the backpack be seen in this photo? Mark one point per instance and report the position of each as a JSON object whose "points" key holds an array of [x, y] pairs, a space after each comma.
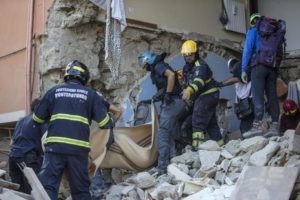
{"points": [[272, 41]]}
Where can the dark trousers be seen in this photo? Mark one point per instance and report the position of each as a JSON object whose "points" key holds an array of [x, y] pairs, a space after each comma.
{"points": [[204, 117], [168, 118], [32, 160], [263, 80], [76, 167]]}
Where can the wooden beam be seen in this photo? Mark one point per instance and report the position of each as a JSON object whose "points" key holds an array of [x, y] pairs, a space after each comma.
{"points": [[38, 191]]}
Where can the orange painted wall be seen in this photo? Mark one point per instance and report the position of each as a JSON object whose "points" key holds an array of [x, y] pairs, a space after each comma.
{"points": [[13, 35]]}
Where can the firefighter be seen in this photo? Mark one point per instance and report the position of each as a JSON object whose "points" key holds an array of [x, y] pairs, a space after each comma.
{"points": [[70, 108], [26, 147], [201, 92], [168, 91]]}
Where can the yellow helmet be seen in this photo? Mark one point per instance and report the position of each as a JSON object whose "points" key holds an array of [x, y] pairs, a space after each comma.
{"points": [[189, 47]]}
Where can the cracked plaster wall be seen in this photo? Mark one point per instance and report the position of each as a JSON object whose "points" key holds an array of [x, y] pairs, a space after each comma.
{"points": [[75, 30]]}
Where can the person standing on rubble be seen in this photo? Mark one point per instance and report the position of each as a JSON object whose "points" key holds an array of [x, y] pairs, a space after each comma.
{"points": [[26, 147], [263, 51], [243, 93], [201, 92], [168, 91], [70, 108]]}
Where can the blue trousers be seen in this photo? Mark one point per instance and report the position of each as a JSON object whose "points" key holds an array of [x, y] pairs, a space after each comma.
{"points": [[168, 119], [76, 167], [263, 80], [204, 117]]}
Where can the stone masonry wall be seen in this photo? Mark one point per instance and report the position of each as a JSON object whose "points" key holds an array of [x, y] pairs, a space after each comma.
{"points": [[76, 30]]}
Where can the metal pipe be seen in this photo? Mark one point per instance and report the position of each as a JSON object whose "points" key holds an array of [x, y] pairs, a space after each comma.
{"points": [[29, 55]]}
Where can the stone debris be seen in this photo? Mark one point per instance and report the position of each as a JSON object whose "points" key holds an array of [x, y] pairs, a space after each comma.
{"points": [[142, 180], [212, 173]]}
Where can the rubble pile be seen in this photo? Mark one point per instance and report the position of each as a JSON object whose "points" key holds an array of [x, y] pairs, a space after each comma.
{"points": [[212, 172]]}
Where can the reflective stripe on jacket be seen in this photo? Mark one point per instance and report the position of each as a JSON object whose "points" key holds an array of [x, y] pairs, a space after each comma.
{"points": [[199, 77], [70, 108]]}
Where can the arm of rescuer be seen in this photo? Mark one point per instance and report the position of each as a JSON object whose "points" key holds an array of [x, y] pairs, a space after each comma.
{"points": [[170, 86], [115, 111], [171, 80], [230, 81], [251, 42]]}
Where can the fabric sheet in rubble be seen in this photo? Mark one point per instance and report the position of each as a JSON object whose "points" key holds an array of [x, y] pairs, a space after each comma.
{"points": [[293, 92], [134, 148]]}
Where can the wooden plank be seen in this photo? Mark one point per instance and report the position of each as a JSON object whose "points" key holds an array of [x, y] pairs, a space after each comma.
{"points": [[10, 185], [38, 191], [265, 183]]}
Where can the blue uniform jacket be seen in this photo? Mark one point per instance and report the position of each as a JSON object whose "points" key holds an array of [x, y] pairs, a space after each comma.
{"points": [[27, 137], [251, 47], [70, 108], [199, 77]]}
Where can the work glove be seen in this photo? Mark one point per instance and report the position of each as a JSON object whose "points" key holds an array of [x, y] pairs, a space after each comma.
{"points": [[219, 84], [168, 99], [186, 95], [244, 77], [159, 95]]}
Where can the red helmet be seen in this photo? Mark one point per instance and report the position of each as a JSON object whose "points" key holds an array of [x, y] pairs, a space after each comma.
{"points": [[289, 107]]}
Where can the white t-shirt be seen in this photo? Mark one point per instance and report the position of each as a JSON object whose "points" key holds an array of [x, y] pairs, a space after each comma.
{"points": [[243, 90]]}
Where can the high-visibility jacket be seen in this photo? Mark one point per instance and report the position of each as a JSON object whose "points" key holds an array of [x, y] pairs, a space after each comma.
{"points": [[70, 108], [199, 77]]}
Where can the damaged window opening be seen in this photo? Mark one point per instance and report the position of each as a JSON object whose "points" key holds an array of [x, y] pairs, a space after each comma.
{"points": [[226, 117]]}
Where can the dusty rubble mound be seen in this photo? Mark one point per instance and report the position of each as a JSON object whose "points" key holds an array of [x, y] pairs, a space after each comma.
{"points": [[215, 173]]}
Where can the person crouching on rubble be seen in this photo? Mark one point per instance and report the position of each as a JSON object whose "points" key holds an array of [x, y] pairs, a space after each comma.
{"points": [[168, 91], [201, 92], [243, 106], [291, 116], [70, 108], [26, 148]]}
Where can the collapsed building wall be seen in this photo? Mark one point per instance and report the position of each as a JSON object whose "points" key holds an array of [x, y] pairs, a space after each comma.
{"points": [[76, 30]]}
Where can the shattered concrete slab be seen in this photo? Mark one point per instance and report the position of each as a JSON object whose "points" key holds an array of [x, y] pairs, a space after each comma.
{"points": [[263, 183]]}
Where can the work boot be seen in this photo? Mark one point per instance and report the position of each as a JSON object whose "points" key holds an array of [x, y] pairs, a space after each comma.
{"points": [[273, 130], [254, 131]]}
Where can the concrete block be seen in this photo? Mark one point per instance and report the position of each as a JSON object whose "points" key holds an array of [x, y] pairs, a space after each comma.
{"points": [[253, 144], [177, 173], [262, 157]]}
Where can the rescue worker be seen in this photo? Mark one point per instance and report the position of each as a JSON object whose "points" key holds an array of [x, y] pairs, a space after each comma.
{"points": [[70, 108], [291, 116], [242, 90], [201, 92], [263, 79], [168, 91], [26, 147]]}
